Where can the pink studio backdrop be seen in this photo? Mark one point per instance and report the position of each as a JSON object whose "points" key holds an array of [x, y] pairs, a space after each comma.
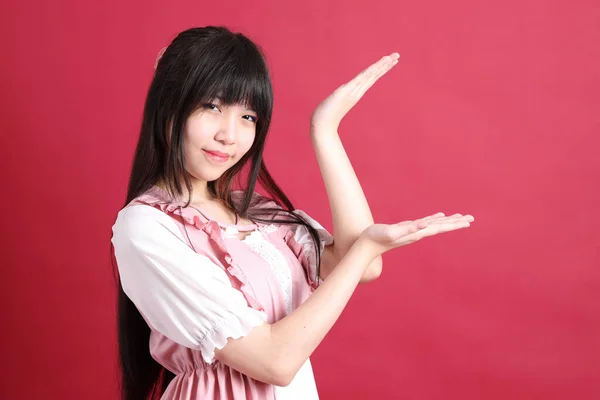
{"points": [[492, 110]]}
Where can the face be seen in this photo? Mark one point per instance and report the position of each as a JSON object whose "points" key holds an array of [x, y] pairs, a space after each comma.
{"points": [[216, 137]]}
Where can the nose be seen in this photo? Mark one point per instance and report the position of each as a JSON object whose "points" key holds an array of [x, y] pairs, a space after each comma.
{"points": [[227, 129]]}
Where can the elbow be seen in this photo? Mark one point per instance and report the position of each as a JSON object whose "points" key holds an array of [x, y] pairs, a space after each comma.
{"points": [[282, 371], [262, 355], [373, 271], [370, 276], [281, 379]]}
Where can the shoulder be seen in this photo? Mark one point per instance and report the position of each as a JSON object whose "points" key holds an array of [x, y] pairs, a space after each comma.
{"points": [[143, 221]]}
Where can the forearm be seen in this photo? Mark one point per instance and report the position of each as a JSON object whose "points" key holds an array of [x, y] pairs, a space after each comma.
{"points": [[349, 208], [275, 353], [300, 333]]}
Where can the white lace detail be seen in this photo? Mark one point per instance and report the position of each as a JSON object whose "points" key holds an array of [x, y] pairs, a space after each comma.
{"points": [[270, 228], [276, 261], [230, 231]]}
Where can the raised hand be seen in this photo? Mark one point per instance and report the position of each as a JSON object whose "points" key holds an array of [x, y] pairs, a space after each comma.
{"points": [[385, 237], [329, 114]]}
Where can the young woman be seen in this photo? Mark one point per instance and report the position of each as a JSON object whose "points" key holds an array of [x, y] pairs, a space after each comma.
{"points": [[224, 294]]}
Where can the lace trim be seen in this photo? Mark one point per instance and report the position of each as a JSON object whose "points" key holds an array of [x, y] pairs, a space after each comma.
{"points": [[265, 249]]}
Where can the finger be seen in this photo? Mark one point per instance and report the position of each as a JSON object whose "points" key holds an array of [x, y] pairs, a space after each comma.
{"points": [[433, 230], [361, 89], [364, 80], [389, 64], [424, 222], [404, 228], [454, 218], [437, 228], [432, 217], [440, 218], [379, 65], [384, 65], [373, 77], [367, 72], [419, 223], [374, 69]]}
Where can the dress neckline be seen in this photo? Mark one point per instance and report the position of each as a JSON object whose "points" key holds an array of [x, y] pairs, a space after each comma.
{"points": [[224, 225], [166, 196]]}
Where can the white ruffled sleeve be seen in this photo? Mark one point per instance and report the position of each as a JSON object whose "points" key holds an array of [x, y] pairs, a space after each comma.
{"points": [[180, 293]]}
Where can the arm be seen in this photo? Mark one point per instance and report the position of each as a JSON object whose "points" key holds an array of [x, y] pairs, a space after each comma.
{"points": [[346, 197], [274, 353], [189, 299]]}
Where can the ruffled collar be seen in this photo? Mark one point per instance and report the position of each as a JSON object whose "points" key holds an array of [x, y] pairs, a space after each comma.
{"points": [[193, 215], [216, 231]]}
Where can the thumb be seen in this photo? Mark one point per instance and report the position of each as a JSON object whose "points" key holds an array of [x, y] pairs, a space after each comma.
{"points": [[421, 225], [407, 227]]}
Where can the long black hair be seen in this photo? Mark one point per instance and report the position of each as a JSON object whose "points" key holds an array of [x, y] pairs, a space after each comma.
{"points": [[199, 65]]}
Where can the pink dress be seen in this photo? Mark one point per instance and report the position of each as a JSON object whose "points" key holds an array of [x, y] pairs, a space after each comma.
{"points": [[196, 293]]}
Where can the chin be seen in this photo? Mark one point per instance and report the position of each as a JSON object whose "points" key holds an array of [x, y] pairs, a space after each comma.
{"points": [[209, 173], [208, 177]]}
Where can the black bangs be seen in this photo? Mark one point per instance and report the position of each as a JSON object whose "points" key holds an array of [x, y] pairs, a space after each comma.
{"points": [[234, 72]]}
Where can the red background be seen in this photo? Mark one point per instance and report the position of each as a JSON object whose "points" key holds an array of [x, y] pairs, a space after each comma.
{"points": [[492, 110]]}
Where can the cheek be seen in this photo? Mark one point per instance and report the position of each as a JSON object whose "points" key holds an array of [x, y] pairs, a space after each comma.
{"points": [[198, 132], [245, 142]]}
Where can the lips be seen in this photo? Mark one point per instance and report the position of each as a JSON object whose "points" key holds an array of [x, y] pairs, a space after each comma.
{"points": [[217, 156], [217, 153]]}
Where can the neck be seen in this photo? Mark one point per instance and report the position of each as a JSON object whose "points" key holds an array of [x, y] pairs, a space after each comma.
{"points": [[200, 192]]}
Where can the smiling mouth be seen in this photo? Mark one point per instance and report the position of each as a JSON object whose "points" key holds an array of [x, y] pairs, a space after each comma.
{"points": [[216, 156]]}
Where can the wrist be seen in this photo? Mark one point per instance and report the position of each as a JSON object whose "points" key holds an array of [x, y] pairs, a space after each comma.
{"points": [[365, 249]]}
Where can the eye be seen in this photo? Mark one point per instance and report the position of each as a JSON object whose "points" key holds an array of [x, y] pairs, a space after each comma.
{"points": [[250, 118], [211, 106]]}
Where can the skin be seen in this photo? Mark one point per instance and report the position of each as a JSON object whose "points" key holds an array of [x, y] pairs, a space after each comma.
{"points": [[216, 127], [273, 353]]}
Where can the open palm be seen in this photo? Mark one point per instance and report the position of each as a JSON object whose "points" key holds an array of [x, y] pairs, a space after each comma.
{"points": [[330, 112], [385, 237]]}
